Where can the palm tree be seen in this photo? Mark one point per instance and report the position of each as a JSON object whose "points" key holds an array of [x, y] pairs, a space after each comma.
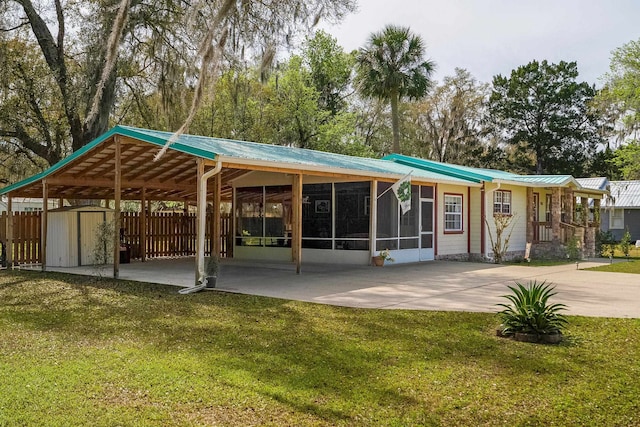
{"points": [[391, 67]]}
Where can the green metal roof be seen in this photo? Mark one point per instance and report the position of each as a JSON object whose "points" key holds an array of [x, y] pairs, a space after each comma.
{"points": [[542, 180], [393, 165], [463, 172], [60, 164], [484, 175], [210, 147], [252, 152]]}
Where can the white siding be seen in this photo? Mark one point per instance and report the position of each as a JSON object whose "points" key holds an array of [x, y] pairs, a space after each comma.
{"points": [[452, 243], [518, 223]]}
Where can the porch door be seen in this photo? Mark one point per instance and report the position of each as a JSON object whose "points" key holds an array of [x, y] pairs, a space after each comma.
{"points": [[426, 230]]}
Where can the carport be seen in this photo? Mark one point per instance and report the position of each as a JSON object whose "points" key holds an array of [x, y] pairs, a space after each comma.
{"points": [[121, 165]]}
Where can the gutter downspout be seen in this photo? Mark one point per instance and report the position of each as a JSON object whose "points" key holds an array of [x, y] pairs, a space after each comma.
{"points": [[202, 207]]}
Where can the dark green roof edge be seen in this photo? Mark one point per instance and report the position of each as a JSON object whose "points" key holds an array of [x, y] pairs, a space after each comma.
{"points": [[449, 170], [116, 130], [60, 164]]}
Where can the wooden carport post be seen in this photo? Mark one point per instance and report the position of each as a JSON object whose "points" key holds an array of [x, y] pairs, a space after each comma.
{"points": [[296, 232], [199, 226], [44, 219], [116, 211], [216, 247], [143, 225]]}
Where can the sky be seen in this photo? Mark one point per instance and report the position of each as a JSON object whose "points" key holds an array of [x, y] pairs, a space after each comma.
{"points": [[490, 37]]}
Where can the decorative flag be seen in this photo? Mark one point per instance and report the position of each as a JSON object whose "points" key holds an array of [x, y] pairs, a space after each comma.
{"points": [[402, 189]]}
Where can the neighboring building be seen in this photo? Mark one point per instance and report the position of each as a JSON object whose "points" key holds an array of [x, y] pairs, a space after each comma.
{"points": [[25, 204], [621, 209], [290, 204]]}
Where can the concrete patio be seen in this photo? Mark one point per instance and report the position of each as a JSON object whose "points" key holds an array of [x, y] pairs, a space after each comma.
{"points": [[437, 285]]}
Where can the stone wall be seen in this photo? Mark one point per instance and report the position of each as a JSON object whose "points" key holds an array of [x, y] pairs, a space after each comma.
{"points": [[454, 257], [548, 250]]}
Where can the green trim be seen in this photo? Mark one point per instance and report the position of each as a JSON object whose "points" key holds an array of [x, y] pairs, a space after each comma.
{"points": [[442, 168], [60, 164], [117, 130]]}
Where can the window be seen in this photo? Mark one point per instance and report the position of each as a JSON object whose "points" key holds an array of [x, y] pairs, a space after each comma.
{"points": [[453, 213], [502, 202], [263, 216], [351, 220], [336, 216], [616, 219]]}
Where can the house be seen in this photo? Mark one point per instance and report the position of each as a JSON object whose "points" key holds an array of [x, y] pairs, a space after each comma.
{"points": [[25, 204], [621, 209], [290, 204]]}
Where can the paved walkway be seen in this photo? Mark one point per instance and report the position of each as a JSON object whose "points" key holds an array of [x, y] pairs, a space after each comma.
{"points": [[437, 285]]}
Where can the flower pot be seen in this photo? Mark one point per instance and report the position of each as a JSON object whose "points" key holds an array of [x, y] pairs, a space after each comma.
{"points": [[526, 337], [552, 338], [211, 282], [378, 261]]}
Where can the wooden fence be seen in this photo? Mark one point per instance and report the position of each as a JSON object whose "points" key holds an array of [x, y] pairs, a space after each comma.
{"points": [[168, 234], [26, 236]]}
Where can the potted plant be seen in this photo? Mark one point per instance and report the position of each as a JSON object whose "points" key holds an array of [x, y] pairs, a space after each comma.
{"points": [[530, 317], [384, 255], [211, 268]]}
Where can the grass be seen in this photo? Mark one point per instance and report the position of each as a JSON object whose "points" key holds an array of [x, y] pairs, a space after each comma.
{"points": [[76, 352], [620, 267], [542, 262]]}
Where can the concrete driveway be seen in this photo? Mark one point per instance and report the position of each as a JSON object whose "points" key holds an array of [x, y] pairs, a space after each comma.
{"points": [[438, 285], [441, 285]]}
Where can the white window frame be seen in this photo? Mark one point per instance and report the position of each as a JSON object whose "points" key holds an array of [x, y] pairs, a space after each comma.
{"points": [[503, 208], [453, 212], [616, 219]]}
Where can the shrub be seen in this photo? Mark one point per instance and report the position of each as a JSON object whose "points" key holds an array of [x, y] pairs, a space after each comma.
{"points": [[530, 311], [605, 243], [500, 244], [625, 243], [573, 248]]}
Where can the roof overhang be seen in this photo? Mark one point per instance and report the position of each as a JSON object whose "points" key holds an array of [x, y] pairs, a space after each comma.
{"points": [[89, 173]]}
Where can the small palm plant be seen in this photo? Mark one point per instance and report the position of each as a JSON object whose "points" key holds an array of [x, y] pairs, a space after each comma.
{"points": [[530, 311]]}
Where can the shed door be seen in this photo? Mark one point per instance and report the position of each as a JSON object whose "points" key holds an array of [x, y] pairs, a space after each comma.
{"points": [[87, 224]]}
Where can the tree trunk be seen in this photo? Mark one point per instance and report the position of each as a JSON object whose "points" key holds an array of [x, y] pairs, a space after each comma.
{"points": [[395, 125]]}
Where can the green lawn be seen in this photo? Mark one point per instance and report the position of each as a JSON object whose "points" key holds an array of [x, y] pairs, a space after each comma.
{"points": [[76, 352], [620, 267]]}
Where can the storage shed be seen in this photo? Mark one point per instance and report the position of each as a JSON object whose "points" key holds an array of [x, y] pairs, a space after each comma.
{"points": [[71, 234]]}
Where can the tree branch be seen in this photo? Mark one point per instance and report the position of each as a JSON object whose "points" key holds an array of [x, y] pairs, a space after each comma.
{"points": [[8, 30], [54, 56], [109, 61]]}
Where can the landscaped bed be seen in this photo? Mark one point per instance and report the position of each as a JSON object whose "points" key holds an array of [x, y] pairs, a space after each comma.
{"points": [[79, 352]]}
